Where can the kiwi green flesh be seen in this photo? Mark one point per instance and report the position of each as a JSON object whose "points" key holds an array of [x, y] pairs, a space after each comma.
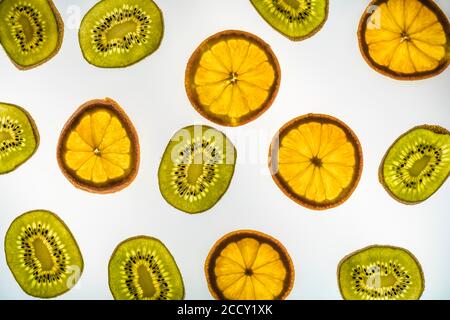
{"points": [[196, 168], [19, 137], [42, 254], [417, 164], [118, 33], [381, 273], [142, 268], [31, 31], [295, 19]]}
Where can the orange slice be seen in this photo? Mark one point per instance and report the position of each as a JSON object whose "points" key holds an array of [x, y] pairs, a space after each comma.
{"points": [[249, 265], [405, 39], [98, 150], [232, 78], [316, 160]]}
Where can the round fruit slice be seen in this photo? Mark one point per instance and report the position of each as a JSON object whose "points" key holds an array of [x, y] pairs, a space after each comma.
{"points": [[196, 168], [119, 33], [405, 39], [295, 19], [19, 137], [249, 265], [31, 31], [232, 78], [417, 164], [380, 273], [42, 254], [316, 160], [98, 150], [142, 268]]}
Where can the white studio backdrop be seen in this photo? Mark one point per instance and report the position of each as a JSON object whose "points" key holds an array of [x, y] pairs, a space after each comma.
{"points": [[324, 74]]}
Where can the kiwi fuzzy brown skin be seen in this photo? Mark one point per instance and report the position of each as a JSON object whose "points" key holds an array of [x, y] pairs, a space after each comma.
{"points": [[118, 67], [274, 147], [35, 133], [343, 260], [434, 128], [363, 47], [60, 23], [135, 238], [319, 27], [222, 242], [131, 131], [195, 57], [68, 231]]}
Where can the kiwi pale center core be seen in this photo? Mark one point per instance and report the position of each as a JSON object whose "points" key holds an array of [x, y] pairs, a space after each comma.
{"points": [[419, 165], [195, 170], [378, 280], [293, 3], [5, 135], [120, 30], [43, 254], [145, 282], [26, 27]]}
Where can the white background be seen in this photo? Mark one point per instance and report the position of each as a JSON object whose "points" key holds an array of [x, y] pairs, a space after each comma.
{"points": [[324, 74]]}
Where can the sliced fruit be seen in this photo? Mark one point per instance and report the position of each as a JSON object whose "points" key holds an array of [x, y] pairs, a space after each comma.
{"points": [[295, 19], [416, 164], [119, 33], [98, 150], [31, 31], [380, 273], [405, 39], [249, 265], [316, 160], [19, 137], [232, 78], [42, 254], [142, 268], [196, 168]]}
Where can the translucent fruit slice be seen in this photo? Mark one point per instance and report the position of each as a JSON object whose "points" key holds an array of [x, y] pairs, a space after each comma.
{"points": [[295, 19], [31, 31], [417, 164], [249, 265], [380, 273], [42, 254], [316, 160], [405, 39], [19, 137], [196, 168], [142, 268], [116, 34], [98, 150], [232, 78]]}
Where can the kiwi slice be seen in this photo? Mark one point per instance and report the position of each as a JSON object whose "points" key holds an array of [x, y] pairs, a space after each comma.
{"points": [[119, 33], [295, 19], [380, 273], [31, 31], [19, 137], [196, 168], [142, 268], [416, 164], [43, 254], [98, 149]]}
